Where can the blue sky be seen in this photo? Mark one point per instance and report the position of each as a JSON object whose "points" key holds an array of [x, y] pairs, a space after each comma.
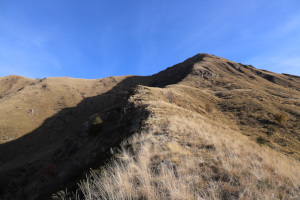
{"points": [[100, 38]]}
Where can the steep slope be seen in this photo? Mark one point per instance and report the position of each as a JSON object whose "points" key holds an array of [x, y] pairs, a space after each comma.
{"points": [[251, 99], [44, 140], [200, 139], [46, 146], [184, 154]]}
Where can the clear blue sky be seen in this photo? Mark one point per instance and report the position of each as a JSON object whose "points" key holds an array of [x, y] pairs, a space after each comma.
{"points": [[99, 38]]}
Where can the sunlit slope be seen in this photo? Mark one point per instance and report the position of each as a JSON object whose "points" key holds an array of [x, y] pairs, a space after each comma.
{"points": [[207, 110], [26, 103], [190, 151]]}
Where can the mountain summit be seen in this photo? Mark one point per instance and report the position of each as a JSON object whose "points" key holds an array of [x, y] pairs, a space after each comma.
{"points": [[211, 127]]}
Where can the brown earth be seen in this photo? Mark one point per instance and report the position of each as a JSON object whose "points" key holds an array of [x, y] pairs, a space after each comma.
{"points": [[44, 146]]}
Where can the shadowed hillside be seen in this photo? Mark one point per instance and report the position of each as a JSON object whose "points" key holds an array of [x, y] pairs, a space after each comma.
{"points": [[45, 147], [59, 107]]}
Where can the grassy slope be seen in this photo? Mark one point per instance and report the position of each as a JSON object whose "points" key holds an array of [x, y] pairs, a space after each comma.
{"points": [[185, 153], [41, 118], [200, 141], [208, 120], [26, 103], [44, 140]]}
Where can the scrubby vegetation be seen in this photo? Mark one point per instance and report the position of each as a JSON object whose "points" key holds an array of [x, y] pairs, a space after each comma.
{"points": [[280, 118], [261, 140], [95, 125]]}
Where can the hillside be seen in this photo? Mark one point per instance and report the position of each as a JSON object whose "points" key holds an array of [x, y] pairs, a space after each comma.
{"points": [[206, 117]]}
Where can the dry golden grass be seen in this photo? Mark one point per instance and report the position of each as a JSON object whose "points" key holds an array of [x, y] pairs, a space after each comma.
{"points": [[198, 142], [185, 155], [27, 103]]}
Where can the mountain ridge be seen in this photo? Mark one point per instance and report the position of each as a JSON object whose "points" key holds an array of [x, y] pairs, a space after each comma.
{"points": [[51, 113]]}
